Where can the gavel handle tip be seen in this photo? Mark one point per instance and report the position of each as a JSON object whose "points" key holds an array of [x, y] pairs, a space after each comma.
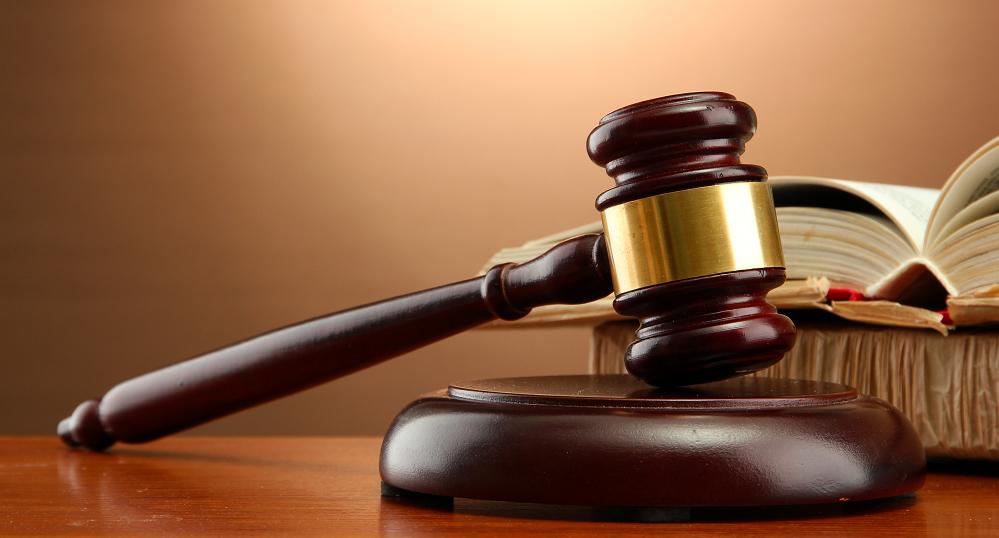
{"points": [[66, 434], [84, 429]]}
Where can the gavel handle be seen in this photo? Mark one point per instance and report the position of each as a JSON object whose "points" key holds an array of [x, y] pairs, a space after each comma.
{"points": [[300, 356]]}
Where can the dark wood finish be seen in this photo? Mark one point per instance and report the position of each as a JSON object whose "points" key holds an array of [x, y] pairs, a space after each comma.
{"points": [[626, 392], [613, 441], [319, 486], [304, 355], [672, 143], [706, 328]]}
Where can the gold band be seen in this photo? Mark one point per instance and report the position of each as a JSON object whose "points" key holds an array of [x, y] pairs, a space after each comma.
{"points": [[691, 233]]}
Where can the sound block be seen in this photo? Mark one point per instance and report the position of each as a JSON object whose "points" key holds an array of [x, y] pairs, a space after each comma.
{"points": [[614, 441]]}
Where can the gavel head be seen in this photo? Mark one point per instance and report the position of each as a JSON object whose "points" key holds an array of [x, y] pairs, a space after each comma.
{"points": [[692, 239]]}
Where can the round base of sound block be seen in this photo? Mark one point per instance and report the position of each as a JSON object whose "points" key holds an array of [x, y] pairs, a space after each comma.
{"points": [[614, 441]]}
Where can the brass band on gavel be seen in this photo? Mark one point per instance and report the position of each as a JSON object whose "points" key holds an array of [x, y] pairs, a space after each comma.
{"points": [[691, 233]]}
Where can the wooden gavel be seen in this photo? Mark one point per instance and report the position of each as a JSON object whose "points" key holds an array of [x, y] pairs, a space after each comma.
{"points": [[690, 247]]}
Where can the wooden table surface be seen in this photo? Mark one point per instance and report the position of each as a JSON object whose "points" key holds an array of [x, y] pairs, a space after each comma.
{"points": [[324, 486]]}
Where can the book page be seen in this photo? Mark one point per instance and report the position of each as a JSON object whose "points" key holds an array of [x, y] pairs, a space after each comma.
{"points": [[970, 256], [968, 189], [981, 208], [977, 308], [908, 208]]}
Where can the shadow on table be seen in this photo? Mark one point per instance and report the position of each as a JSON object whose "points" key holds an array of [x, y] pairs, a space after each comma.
{"points": [[402, 506], [964, 467]]}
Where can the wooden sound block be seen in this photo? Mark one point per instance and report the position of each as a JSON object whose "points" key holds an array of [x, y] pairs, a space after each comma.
{"points": [[614, 441]]}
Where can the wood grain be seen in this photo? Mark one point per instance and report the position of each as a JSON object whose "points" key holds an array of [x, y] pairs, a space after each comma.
{"points": [[324, 486]]}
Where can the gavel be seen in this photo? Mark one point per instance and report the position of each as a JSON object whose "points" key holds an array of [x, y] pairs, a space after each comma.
{"points": [[690, 247]]}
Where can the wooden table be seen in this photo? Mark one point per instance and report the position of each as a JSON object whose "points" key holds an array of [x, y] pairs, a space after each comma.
{"points": [[323, 486]]}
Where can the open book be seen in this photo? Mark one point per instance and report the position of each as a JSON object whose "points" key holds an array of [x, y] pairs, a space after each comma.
{"points": [[914, 257]]}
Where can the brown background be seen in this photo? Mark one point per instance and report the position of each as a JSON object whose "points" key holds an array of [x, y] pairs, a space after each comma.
{"points": [[176, 176]]}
